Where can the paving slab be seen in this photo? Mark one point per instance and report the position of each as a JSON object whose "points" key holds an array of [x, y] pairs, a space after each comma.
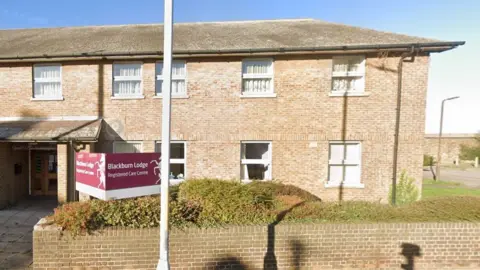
{"points": [[16, 227]]}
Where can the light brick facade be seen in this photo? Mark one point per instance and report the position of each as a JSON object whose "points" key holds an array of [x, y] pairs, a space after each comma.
{"points": [[300, 121]]}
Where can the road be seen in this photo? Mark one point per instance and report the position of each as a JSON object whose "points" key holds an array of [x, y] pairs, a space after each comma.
{"points": [[469, 178]]}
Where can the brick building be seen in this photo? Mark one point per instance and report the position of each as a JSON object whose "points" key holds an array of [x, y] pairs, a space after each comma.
{"points": [[301, 101]]}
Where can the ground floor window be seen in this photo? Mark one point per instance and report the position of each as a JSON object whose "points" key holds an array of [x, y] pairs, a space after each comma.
{"points": [[256, 160], [344, 163], [127, 147], [177, 159]]}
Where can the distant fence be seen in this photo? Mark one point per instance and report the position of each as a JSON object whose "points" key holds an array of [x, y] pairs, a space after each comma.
{"points": [[287, 246]]}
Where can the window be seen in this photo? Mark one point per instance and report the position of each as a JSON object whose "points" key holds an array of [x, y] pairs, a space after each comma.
{"points": [[256, 161], [177, 159], [127, 147], [47, 82], [52, 163], [348, 74], [179, 75], [257, 76], [344, 164], [127, 80]]}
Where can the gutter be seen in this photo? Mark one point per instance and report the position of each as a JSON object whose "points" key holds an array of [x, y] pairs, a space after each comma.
{"points": [[426, 47]]}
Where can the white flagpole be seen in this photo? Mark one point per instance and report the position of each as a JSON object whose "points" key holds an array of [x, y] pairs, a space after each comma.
{"points": [[163, 263]]}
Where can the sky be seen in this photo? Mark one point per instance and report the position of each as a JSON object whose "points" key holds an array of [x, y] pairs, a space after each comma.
{"points": [[452, 73]]}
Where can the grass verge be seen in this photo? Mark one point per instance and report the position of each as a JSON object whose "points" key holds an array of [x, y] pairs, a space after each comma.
{"points": [[434, 189]]}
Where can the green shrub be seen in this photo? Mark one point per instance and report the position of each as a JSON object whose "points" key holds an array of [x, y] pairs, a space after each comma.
{"points": [[407, 191], [226, 202], [207, 202], [428, 160], [274, 189], [76, 217], [470, 152]]}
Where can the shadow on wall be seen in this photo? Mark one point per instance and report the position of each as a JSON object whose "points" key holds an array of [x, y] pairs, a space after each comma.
{"points": [[410, 251], [270, 260], [298, 250], [227, 263]]}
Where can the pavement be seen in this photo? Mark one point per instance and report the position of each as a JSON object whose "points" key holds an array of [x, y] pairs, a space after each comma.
{"points": [[468, 177], [16, 227]]}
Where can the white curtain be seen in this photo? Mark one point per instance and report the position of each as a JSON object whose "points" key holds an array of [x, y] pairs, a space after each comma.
{"points": [[178, 78], [257, 77], [347, 83], [353, 64], [257, 85], [128, 79], [47, 81], [47, 89], [128, 70]]}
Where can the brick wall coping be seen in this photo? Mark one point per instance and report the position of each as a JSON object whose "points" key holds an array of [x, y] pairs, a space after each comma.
{"points": [[44, 225]]}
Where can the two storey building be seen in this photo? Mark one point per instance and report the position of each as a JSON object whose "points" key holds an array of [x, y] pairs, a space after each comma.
{"points": [[306, 102]]}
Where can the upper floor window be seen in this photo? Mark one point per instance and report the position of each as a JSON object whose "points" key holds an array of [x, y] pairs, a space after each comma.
{"points": [[127, 80], [179, 76], [348, 74], [47, 82], [257, 77]]}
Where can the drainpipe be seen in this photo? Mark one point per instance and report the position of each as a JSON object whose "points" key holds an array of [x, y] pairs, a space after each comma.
{"points": [[72, 170], [397, 119]]}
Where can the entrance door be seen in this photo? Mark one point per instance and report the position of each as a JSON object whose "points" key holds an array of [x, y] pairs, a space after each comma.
{"points": [[44, 172]]}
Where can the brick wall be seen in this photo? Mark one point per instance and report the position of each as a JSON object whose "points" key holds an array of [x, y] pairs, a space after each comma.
{"points": [[13, 186], [451, 145], [300, 121], [432, 246]]}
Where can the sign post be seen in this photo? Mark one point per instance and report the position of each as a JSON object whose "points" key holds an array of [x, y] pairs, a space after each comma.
{"points": [[163, 263]]}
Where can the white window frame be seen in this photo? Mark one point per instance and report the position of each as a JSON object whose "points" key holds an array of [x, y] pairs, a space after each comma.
{"points": [[355, 74], [267, 162], [343, 163], [159, 79], [270, 76], [60, 96], [176, 160], [118, 142], [127, 78]]}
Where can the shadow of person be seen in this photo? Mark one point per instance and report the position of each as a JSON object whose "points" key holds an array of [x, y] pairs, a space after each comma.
{"points": [[410, 251], [227, 263], [270, 260]]}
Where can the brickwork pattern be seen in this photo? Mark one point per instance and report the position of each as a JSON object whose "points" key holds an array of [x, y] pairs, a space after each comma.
{"points": [[450, 147], [215, 118], [13, 186], [430, 246]]}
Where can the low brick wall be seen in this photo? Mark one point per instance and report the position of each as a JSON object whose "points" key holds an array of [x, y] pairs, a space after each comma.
{"points": [[288, 246]]}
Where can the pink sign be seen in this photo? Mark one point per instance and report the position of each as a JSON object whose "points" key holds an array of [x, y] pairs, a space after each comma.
{"points": [[116, 176]]}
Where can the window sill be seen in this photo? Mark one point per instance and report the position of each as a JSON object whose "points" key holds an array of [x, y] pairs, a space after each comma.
{"points": [[272, 95], [336, 185], [245, 181], [128, 97], [174, 182], [179, 96], [349, 94], [47, 99]]}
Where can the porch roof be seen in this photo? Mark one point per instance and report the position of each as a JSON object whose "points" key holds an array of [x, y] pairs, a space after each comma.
{"points": [[50, 130]]}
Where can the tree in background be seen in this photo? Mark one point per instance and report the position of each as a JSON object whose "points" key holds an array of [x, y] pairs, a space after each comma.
{"points": [[469, 152]]}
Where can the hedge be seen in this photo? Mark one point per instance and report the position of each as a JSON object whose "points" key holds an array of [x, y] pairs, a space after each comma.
{"points": [[207, 202]]}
